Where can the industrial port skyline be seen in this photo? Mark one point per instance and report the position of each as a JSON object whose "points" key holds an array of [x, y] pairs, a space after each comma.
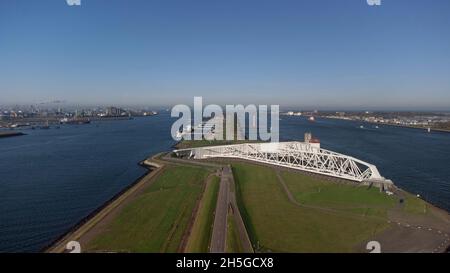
{"points": [[390, 57], [20, 112], [113, 137]]}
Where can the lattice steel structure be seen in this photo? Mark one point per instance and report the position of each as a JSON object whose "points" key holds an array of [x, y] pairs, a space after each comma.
{"points": [[296, 155]]}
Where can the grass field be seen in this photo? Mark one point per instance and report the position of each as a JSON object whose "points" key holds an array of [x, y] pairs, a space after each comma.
{"points": [[276, 224], [415, 205], [234, 244], [202, 229], [156, 220], [361, 200]]}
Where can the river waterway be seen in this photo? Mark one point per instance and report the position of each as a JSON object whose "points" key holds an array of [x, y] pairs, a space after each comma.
{"points": [[413, 159], [51, 179]]}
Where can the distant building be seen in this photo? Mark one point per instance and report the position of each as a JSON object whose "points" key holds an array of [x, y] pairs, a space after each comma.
{"points": [[308, 137], [112, 111], [115, 112], [312, 140]]}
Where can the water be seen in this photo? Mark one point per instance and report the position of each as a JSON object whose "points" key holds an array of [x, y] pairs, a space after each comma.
{"points": [[51, 179], [413, 159]]}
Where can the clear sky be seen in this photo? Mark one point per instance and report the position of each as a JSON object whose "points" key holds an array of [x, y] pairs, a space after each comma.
{"points": [[335, 54]]}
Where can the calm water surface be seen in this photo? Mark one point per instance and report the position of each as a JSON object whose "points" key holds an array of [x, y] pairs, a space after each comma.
{"points": [[413, 159], [51, 179]]}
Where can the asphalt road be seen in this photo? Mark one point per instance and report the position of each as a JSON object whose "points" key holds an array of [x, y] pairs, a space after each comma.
{"points": [[219, 234]]}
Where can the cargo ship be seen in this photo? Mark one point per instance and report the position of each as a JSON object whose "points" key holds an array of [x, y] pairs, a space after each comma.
{"points": [[75, 121]]}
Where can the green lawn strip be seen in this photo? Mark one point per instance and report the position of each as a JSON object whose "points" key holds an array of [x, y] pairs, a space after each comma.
{"points": [[200, 236], [340, 196], [234, 244], [240, 175], [275, 224], [155, 220], [414, 204]]}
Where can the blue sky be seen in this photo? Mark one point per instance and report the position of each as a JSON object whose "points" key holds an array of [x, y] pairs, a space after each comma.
{"points": [[324, 54]]}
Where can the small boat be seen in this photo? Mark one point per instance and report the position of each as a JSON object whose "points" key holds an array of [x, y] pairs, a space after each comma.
{"points": [[376, 127], [312, 119], [362, 127], [429, 130]]}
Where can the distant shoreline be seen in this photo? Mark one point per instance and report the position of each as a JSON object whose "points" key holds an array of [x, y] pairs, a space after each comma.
{"points": [[390, 124]]}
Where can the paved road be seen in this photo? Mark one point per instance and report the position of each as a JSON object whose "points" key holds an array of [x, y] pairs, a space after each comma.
{"points": [[219, 234]]}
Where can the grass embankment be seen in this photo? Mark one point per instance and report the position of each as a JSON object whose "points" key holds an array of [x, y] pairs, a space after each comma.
{"points": [[360, 200], [415, 205], [234, 244], [276, 224], [200, 236], [156, 220]]}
